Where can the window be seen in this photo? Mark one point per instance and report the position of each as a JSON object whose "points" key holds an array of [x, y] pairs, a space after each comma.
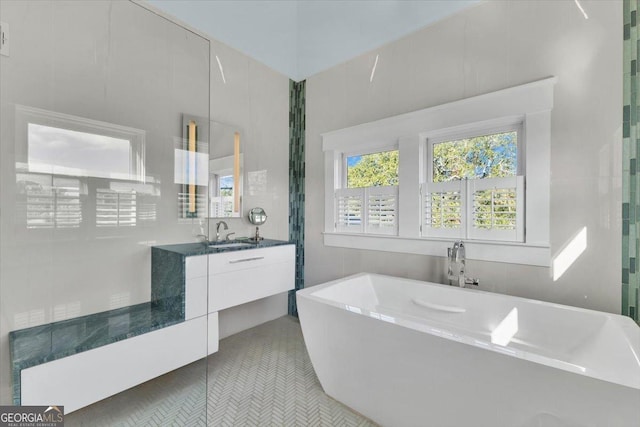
{"points": [[463, 173], [474, 188], [367, 202]]}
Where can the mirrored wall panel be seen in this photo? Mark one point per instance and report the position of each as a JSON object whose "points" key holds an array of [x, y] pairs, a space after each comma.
{"points": [[104, 142]]}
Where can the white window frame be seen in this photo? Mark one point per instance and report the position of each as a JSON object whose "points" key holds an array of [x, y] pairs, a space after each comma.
{"points": [[509, 124], [466, 187], [530, 103], [364, 194]]}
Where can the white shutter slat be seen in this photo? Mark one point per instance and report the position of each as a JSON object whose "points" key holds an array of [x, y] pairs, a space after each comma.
{"points": [[349, 203], [382, 210], [443, 210]]}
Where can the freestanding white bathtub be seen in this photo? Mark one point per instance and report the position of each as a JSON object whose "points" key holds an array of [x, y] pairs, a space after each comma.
{"points": [[410, 353]]}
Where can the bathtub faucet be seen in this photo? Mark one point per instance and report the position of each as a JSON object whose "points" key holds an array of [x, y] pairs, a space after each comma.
{"points": [[457, 265]]}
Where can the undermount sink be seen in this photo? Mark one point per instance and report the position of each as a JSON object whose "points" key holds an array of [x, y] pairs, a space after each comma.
{"points": [[230, 245]]}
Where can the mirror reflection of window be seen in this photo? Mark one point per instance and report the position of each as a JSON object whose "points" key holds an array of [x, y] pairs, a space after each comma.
{"points": [[62, 144], [222, 196], [65, 162], [225, 171], [126, 204], [115, 208], [51, 202], [226, 186], [67, 152]]}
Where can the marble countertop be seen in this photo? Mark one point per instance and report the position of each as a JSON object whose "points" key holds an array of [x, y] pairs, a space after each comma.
{"points": [[202, 248]]}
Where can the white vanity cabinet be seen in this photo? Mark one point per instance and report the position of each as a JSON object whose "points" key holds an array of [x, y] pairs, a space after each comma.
{"points": [[235, 278], [241, 276], [195, 277]]}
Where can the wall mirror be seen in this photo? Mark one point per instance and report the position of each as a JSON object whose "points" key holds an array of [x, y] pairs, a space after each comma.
{"points": [[225, 170]]}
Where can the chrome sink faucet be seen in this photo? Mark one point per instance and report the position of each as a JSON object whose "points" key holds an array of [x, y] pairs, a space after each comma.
{"points": [[226, 227], [457, 265]]}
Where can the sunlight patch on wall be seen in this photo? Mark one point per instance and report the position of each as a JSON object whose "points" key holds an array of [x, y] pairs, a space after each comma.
{"points": [[571, 252]]}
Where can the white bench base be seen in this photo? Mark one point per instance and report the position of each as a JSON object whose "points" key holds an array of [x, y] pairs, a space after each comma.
{"points": [[88, 377]]}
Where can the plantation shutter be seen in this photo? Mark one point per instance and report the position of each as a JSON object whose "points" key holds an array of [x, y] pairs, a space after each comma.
{"points": [[496, 209], [382, 210], [443, 210], [350, 210], [483, 209], [371, 210]]}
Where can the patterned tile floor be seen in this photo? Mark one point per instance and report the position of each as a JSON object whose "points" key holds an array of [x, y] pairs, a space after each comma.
{"points": [[260, 377]]}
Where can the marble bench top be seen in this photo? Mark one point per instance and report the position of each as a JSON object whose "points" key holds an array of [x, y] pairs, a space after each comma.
{"points": [[40, 344]]}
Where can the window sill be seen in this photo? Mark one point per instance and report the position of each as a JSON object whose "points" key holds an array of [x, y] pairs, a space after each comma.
{"points": [[511, 253]]}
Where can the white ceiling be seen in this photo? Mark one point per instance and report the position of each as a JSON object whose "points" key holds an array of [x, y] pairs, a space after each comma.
{"points": [[302, 37]]}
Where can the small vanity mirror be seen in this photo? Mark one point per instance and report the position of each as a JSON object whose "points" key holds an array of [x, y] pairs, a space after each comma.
{"points": [[257, 217], [225, 171]]}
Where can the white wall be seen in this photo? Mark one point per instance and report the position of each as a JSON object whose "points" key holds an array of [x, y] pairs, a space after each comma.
{"points": [[491, 46]]}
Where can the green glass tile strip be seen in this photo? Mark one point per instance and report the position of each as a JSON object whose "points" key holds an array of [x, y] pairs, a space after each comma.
{"points": [[296, 182], [630, 177]]}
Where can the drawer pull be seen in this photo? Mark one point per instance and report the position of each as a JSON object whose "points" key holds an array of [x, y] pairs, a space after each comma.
{"points": [[235, 261]]}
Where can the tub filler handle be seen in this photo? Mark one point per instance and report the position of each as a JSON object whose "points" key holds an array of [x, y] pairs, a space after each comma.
{"points": [[439, 307]]}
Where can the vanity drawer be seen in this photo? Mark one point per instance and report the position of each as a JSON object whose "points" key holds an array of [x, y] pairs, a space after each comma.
{"points": [[250, 259], [233, 288]]}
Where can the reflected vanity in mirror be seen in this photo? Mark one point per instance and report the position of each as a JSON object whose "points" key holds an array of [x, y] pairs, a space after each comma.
{"points": [[257, 217], [225, 171]]}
